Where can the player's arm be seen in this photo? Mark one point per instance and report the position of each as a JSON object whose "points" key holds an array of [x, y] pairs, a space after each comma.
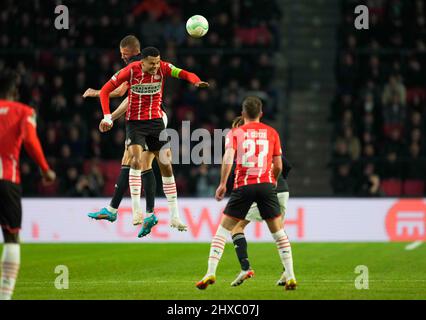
{"points": [[227, 164], [277, 161], [122, 108], [117, 93], [115, 82], [33, 147], [286, 167], [178, 73], [277, 167]]}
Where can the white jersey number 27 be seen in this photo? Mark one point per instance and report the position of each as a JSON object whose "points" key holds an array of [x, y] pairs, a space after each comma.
{"points": [[250, 146]]}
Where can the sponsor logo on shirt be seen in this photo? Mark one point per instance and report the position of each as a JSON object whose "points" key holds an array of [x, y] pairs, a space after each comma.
{"points": [[147, 88]]}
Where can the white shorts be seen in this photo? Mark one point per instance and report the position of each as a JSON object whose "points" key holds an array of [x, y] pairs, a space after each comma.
{"points": [[254, 214], [165, 120]]}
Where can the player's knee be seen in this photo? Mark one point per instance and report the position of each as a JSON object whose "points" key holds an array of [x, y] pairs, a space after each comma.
{"points": [[10, 237], [146, 166], [136, 163], [126, 161], [167, 171]]}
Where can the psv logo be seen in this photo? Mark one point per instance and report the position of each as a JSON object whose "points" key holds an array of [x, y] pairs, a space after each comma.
{"points": [[146, 88]]}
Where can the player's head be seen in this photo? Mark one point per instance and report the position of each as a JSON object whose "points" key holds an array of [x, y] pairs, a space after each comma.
{"points": [[150, 60], [8, 84], [129, 47], [252, 109], [238, 122]]}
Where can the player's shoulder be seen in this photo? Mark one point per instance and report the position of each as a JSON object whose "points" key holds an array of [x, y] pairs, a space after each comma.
{"points": [[17, 107], [270, 129], [135, 64], [258, 125], [131, 66], [166, 64]]}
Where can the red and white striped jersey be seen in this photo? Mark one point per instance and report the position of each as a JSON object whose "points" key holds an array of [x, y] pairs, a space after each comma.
{"points": [[255, 144], [145, 90], [17, 126]]}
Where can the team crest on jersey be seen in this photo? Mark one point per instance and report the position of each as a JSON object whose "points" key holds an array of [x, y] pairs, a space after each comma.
{"points": [[157, 77], [147, 88]]}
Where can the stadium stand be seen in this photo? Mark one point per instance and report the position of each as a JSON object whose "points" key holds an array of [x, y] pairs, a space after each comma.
{"points": [[379, 109]]}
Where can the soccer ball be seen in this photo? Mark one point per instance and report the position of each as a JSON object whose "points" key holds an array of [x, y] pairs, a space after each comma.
{"points": [[197, 26]]}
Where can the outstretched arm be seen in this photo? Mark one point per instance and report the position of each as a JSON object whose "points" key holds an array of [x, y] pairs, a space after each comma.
{"points": [[178, 73], [117, 93]]}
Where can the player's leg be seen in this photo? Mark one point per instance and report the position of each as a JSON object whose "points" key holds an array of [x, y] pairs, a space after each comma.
{"points": [[10, 221], [148, 182], [10, 262], [164, 160], [110, 212], [240, 244], [236, 209], [288, 261], [269, 209], [135, 181], [217, 247]]}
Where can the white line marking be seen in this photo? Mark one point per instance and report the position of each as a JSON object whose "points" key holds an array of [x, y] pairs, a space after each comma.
{"points": [[193, 281], [414, 245]]}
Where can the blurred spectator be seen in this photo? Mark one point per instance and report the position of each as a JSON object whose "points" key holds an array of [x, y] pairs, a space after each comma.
{"points": [[342, 182], [353, 143], [380, 80], [87, 56], [391, 167], [158, 8], [394, 92], [415, 165], [369, 182]]}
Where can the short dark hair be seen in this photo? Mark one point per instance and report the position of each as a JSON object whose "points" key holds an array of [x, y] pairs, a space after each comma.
{"points": [[8, 82], [252, 106], [130, 42], [150, 52]]}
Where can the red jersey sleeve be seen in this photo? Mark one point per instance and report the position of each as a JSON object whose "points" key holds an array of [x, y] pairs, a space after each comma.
{"points": [[230, 141], [277, 145], [31, 141], [117, 79], [171, 71]]}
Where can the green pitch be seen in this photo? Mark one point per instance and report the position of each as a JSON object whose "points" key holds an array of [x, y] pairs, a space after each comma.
{"points": [[170, 271]]}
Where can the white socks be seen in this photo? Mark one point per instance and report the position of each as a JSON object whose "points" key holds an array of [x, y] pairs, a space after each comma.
{"points": [[135, 184], [216, 249], [10, 261], [284, 250], [111, 209], [169, 188]]}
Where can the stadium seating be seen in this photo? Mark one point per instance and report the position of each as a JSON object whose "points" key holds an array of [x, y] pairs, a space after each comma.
{"points": [[392, 187], [413, 188]]}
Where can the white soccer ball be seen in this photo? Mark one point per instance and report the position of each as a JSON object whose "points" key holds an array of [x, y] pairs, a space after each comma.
{"points": [[197, 26]]}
